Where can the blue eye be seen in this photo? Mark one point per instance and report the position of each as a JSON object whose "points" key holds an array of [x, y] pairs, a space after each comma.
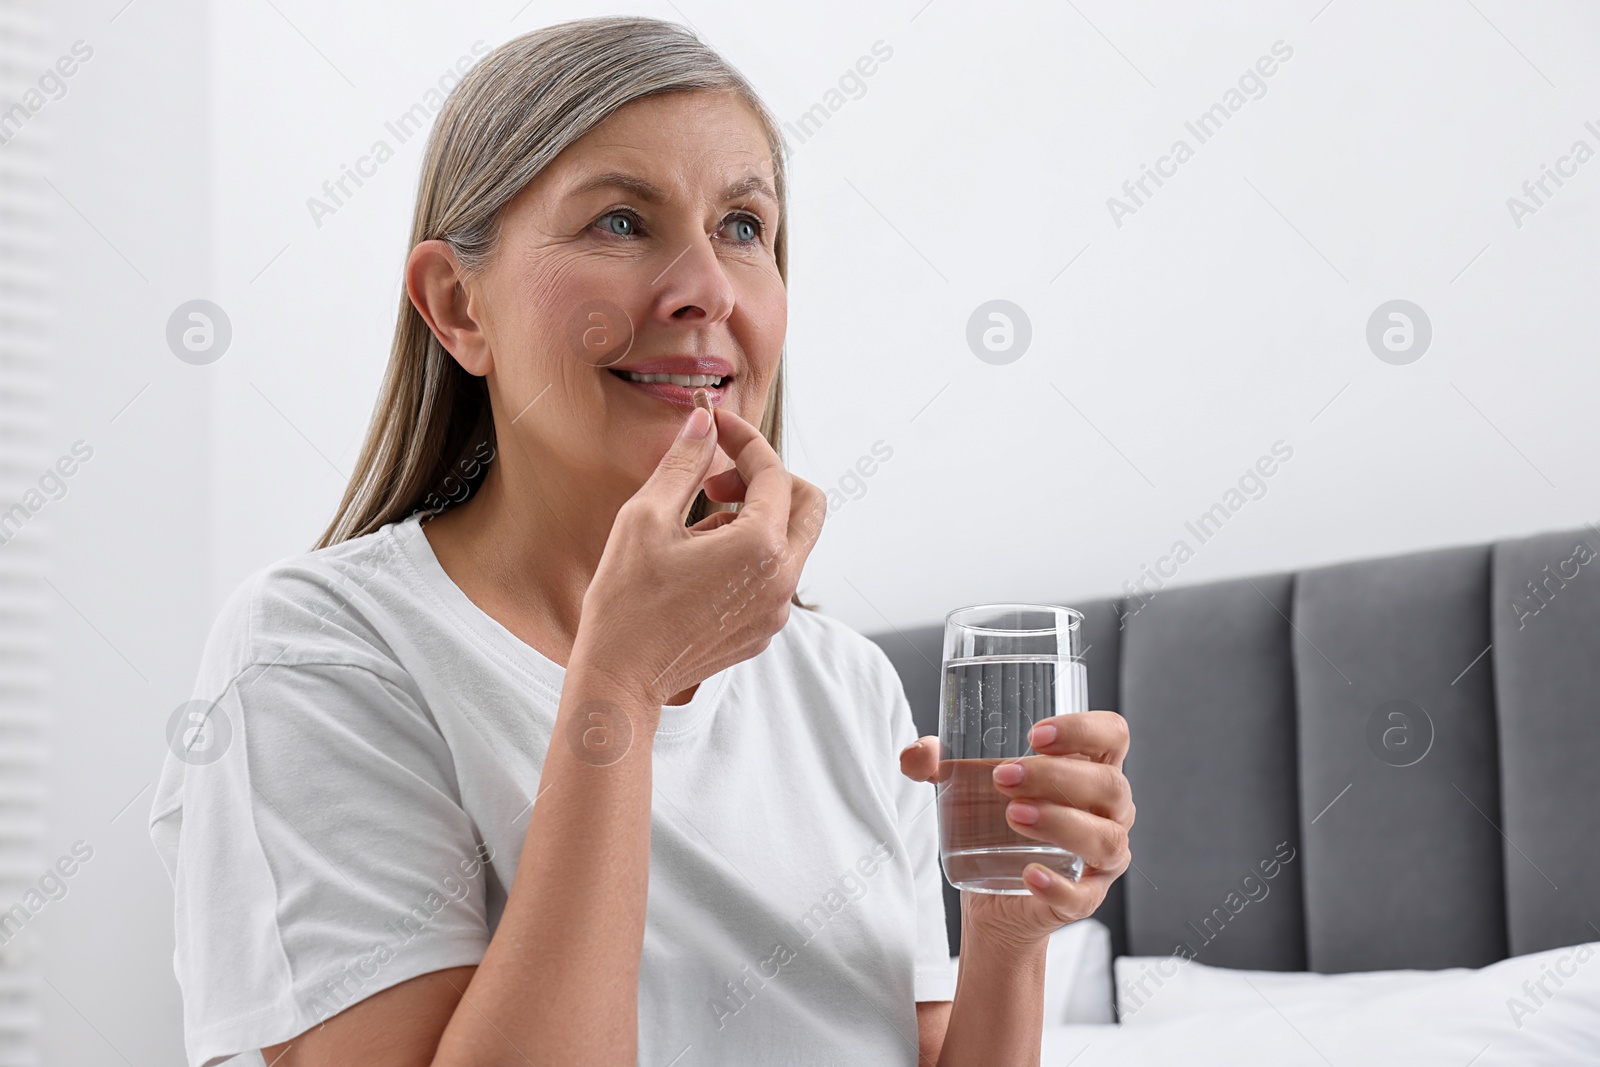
{"points": [[619, 223], [747, 228]]}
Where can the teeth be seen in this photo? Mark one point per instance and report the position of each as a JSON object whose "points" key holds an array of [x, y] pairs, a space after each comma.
{"points": [[693, 381]]}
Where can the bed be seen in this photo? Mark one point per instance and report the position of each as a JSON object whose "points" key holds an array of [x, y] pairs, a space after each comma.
{"points": [[1369, 814]]}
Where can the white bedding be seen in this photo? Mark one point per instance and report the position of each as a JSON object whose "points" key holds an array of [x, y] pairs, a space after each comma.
{"points": [[1539, 1010]]}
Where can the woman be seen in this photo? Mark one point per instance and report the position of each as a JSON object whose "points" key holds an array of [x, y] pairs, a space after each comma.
{"points": [[531, 761]]}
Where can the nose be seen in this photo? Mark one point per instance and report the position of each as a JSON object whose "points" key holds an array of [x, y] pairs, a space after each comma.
{"points": [[693, 287]]}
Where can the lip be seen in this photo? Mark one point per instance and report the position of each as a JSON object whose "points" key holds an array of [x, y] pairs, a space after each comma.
{"points": [[679, 395], [712, 365]]}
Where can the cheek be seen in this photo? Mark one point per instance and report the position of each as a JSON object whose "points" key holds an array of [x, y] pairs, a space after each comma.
{"points": [[590, 313], [770, 304], [544, 318], [514, 315], [764, 323], [549, 305]]}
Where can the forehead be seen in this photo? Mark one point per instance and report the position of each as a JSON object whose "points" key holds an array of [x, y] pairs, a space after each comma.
{"points": [[680, 142]]}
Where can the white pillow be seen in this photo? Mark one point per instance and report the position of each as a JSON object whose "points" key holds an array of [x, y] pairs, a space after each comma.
{"points": [[1539, 1010], [1077, 974], [1154, 989]]}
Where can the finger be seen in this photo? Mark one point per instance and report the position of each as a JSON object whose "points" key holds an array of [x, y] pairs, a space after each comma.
{"points": [[726, 487], [766, 495], [1068, 900], [1103, 844], [713, 520], [919, 760], [1099, 788], [1100, 735], [681, 469]]}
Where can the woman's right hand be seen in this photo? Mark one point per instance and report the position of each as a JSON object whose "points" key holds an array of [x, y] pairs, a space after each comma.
{"points": [[671, 605]]}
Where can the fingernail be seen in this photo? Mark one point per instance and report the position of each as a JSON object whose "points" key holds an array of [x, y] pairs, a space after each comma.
{"points": [[909, 747], [1042, 734], [697, 425], [1026, 814], [1008, 774], [1037, 877]]}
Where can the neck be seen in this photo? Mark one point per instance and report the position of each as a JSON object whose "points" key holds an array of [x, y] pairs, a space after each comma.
{"points": [[525, 547]]}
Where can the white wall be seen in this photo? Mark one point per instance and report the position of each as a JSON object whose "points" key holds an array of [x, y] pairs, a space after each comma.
{"points": [[1226, 314], [131, 539], [1189, 340]]}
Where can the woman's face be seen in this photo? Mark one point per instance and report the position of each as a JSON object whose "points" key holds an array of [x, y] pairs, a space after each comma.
{"points": [[645, 248]]}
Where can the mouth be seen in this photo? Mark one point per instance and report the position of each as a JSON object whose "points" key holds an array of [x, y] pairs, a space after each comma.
{"points": [[678, 389]]}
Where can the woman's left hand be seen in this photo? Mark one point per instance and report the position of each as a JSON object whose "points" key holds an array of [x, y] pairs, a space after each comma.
{"points": [[1073, 795]]}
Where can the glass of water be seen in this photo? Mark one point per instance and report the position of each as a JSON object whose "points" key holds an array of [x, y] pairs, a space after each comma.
{"points": [[1006, 667]]}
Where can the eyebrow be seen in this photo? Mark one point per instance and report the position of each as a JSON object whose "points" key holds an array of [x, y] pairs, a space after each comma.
{"points": [[749, 184]]}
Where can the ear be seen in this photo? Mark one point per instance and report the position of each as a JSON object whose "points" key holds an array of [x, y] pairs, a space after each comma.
{"points": [[437, 285]]}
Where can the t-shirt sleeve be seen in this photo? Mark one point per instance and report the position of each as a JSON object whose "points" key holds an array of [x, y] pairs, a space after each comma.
{"points": [[319, 855], [919, 829]]}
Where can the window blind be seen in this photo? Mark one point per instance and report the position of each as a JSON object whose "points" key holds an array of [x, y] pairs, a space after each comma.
{"points": [[25, 286]]}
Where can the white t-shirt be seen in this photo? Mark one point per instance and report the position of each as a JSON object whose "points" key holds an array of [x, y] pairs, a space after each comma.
{"points": [[350, 811]]}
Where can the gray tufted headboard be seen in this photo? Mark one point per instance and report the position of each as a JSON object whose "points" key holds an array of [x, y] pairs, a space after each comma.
{"points": [[1285, 708]]}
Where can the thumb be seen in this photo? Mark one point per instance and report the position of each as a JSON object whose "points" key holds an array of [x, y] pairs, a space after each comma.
{"points": [[681, 469], [919, 761]]}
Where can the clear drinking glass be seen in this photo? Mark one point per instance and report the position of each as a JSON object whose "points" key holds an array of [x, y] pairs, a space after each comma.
{"points": [[1006, 667]]}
